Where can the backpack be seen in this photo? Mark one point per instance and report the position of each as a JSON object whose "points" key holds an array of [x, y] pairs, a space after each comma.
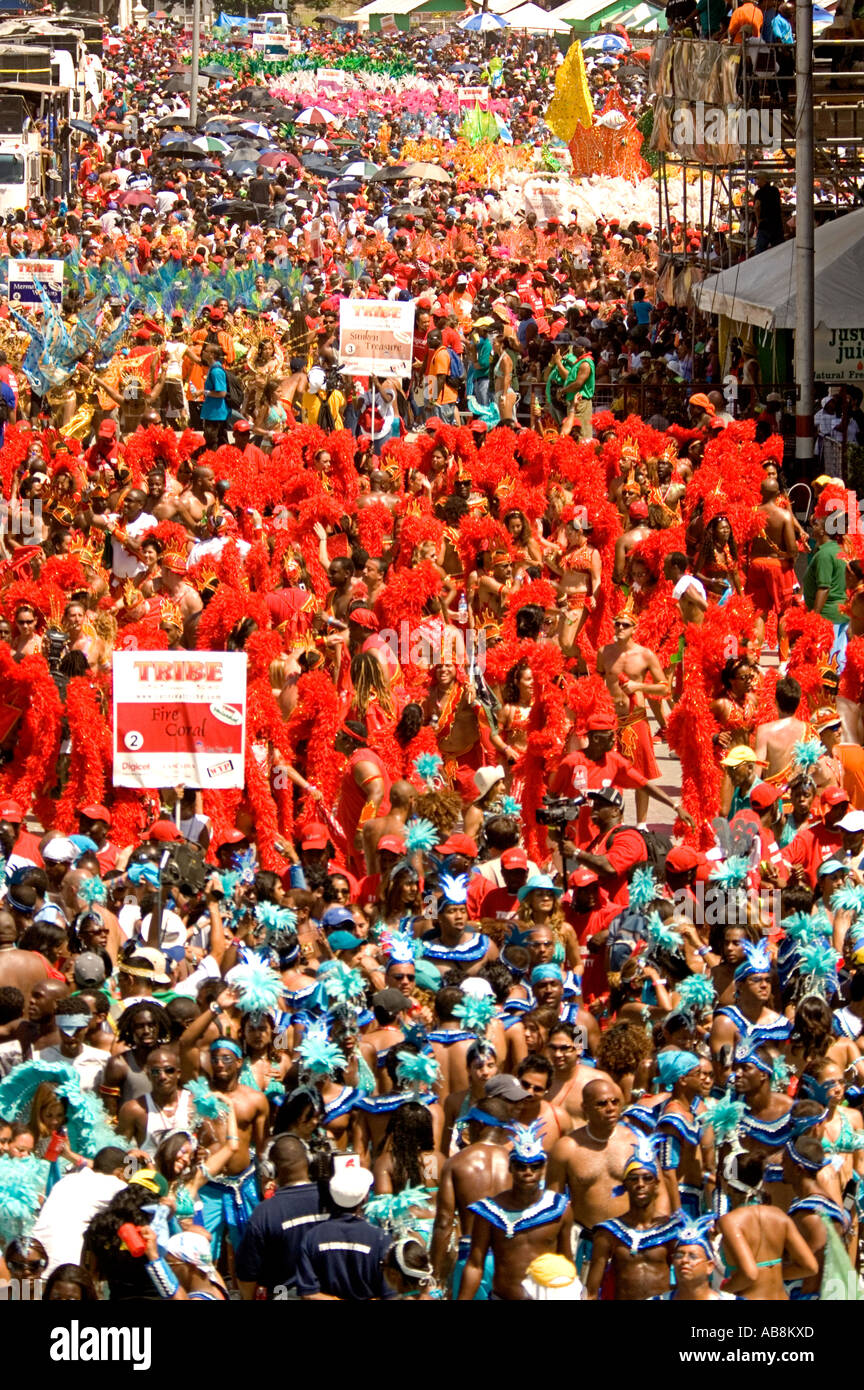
{"points": [[657, 846], [233, 392], [456, 374]]}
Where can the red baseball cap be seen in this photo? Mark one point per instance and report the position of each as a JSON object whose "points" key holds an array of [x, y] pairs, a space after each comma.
{"points": [[231, 837], [163, 830], [639, 509], [11, 811], [601, 721], [107, 429], [764, 795], [831, 796], [514, 859], [315, 836], [96, 812], [582, 878], [459, 844], [394, 843], [681, 858]]}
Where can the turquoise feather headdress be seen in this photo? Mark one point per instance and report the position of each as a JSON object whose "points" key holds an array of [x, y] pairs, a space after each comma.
{"points": [[341, 985], [281, 922], [401, 947], [659, 936], [800, 927], [258, 988], [643, 889], [86, 1118], [22, 1187], [817, 967], [92, 890], [428, 768], [849, 898], [510, 806], [528, 1143], [420, 835], [807, 752], [697, 992], [207, 1104], [394, 1211], [723, 1116], [732, 873], [418, 1068], [319, 1056], [476, 1013]]}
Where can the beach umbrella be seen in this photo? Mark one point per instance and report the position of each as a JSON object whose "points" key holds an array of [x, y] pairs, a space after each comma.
{"points": [[271, 159], [85, 128], [255, 128], [606, 43], [360, 169], [241, 168], [484, 23], [391, 173], [316, 115], [429, 172], [136, 198], [168, 121]]}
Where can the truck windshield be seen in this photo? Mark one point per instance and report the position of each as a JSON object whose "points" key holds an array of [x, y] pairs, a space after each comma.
{"points": [[11, 169]]}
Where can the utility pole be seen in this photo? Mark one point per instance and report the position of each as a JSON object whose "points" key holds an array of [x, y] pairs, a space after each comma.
{"points": [[196, 54], [804, 236]]}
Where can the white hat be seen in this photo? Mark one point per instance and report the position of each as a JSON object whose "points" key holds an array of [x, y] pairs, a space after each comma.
{"points": [[350, 1187], [476, 988], [853, 821], [60, 851], [485, 778]]}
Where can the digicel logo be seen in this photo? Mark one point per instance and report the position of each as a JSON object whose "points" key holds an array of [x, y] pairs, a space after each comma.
{"points": [[179, 670]]}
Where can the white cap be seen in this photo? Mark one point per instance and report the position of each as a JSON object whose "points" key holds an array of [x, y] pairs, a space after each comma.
{"points": [[60, 851], [476, 988], [853, 821], [350, 1187]]}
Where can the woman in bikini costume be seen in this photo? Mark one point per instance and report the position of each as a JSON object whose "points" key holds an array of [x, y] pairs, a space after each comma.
{"points": [[579, 572]]}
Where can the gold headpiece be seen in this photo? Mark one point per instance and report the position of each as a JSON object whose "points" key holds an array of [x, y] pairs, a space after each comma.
{"points": [[170, 614]]}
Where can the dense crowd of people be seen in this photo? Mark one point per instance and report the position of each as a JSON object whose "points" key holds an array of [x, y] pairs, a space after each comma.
{"points": [[429, 1008]]}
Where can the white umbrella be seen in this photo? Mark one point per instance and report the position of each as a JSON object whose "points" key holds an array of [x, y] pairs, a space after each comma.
{"points": [[316, 115], [606, 43], [257, 129], [482, 23]]}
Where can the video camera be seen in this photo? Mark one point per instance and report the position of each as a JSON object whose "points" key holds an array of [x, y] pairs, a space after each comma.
{"points": [[558, 811], [184, 869]]}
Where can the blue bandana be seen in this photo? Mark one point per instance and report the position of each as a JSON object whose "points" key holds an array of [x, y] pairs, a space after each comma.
{"points": [[226, 1045]]}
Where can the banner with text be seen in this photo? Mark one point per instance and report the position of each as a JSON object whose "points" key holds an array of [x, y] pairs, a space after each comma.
{"points": [[376, 336], [23, 275], [179, 717], [838, 354]]}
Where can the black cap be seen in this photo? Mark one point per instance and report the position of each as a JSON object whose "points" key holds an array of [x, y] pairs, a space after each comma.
{"points": [[506, 1087], [392, 1001], [611, 795]]}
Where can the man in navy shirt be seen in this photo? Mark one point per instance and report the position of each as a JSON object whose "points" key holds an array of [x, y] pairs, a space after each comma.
{"points": [[343, 1258], [267, 1255]]}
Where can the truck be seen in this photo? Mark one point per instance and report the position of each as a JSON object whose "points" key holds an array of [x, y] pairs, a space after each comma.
{"points": [[20, 149]]}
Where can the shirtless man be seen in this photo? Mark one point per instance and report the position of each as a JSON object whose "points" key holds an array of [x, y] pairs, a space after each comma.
{"points": [[340, 573], [633, 675], [535, 1075], [518, 1224], [750, 1017], [493, 589], [173, 583], [453, 713], [477, 1171], [570, 1076], [639, 1243], [228, 1200], [196, 500], [22, 970], [161, 495], [766, 1124], [590, 1162], [772, 553], [402, 797], [638, 530], [775, 740]]}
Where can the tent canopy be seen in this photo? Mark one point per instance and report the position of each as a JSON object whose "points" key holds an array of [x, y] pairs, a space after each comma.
{"points": [[536, 20], [761, 291]]}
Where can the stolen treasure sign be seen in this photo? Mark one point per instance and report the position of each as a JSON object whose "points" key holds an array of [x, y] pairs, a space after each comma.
{"points": [[179, 717]]}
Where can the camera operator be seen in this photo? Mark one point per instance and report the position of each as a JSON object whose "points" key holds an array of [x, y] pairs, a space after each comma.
{"points": [[597, 765]]}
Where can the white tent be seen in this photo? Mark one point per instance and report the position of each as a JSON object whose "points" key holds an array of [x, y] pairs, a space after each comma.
{"points": [[536, 20], [580, 11], [761, 291]]}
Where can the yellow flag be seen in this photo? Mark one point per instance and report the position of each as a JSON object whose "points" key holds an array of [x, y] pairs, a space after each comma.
{"points": [[571, 104]]}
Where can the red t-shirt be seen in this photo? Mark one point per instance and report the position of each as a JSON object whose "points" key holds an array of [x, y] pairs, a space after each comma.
{"points": [[578, 774], [624, 847], [812, 846]]}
